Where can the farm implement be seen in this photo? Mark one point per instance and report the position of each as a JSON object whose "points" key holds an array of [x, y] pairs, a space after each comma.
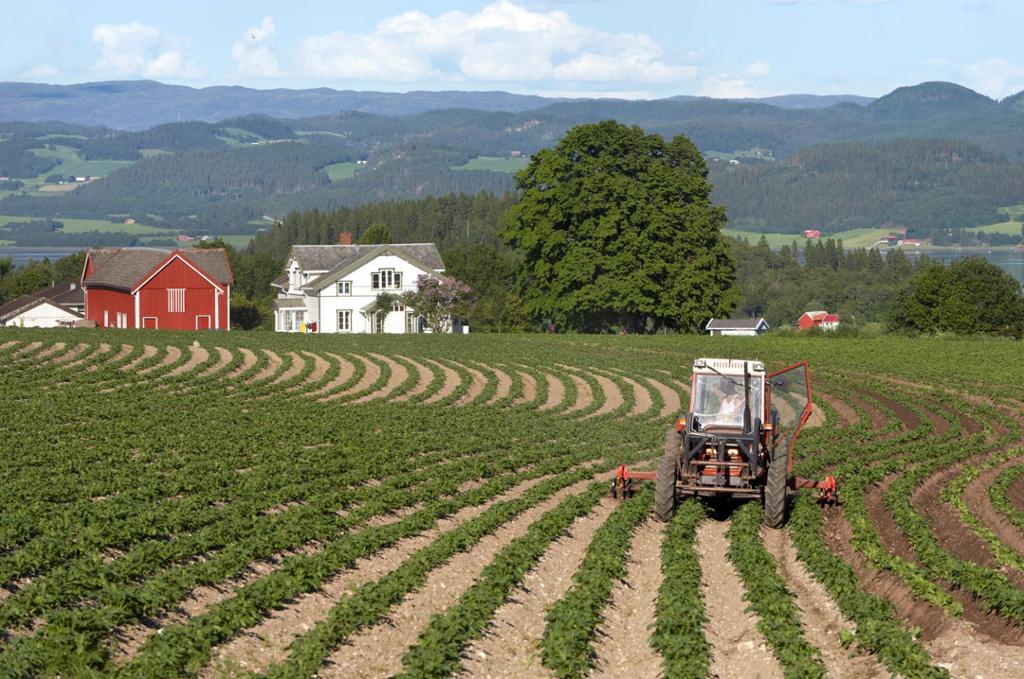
{"points": [[736, 441]]}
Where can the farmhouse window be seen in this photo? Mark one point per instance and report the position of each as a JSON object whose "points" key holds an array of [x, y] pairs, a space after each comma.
{"points": [[344, 287], [345, 320], [386, 279], [176, 300], [292, 320], [397, 306]]}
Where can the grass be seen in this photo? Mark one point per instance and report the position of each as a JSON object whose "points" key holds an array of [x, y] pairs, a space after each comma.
{"points": [[340, 171], [852, 238], [86, 225], [495, 164]]}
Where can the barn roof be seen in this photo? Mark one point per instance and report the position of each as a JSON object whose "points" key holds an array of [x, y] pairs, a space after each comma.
{"points": [[123, 268], [54, 294]]}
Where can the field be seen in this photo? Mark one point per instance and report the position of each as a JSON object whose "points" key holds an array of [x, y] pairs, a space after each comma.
{"points": [[340, 171], [495, 164], [72, 225], [852, 238], [180, 504]]}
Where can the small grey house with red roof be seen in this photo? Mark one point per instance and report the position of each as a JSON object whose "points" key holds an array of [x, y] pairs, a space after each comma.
{"points": [[334, 288], [158, 289]]}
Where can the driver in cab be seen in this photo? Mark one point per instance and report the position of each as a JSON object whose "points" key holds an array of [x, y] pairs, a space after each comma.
{"points": [[730, 409]]}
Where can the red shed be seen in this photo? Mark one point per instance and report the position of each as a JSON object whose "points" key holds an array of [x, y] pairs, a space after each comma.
{"points": [[818, 319], [158, 289]]}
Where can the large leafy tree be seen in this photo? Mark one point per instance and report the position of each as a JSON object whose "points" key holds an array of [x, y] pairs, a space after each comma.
{"points": [[617, 230]]}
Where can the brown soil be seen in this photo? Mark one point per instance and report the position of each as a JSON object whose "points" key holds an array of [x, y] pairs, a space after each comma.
{"points": [[672, 404], [54, 348], [847, 416], [622, 645], [891, 535], [584, 395], [345, 370], [957, 645], [424, 376], [91, 358], [120, 355], [510, 647], [976, 497], [172, 356], [556, 392], [75, 352], [642, 401], [370, 376], [198, 356], [398, 375], [223, 359], [274, 364], [819, 616], [504, 387], [877, 417], [31, 346], [295, 367], [737, 647], [612, 397], [1016, 493], [451, 382], [248, 361], [477, 385], [816, 418], [148, 352], [8, 344], [909, 420], [377, 651], [529, 389], [320, 367]]}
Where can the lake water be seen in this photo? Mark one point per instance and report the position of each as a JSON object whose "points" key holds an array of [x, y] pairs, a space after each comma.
{"points": [[1008, 260], [21, 256]]}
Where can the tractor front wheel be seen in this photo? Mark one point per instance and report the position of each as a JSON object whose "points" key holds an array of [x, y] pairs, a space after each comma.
{"points": [[775, 493], [665, 481]]}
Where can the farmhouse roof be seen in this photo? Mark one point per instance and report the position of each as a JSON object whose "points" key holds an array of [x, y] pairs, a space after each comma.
{"points": [[736, 324], [123, 268], [280, 282], [290, 303], [33, 299], [331, 258]]}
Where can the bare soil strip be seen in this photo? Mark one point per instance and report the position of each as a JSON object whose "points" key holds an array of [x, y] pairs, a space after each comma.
{"points": [[477, 385], [819, 616], [642, 401], [198, 355], [224, 357], [424, 376], [8, 344], [612, 397], [371, 373], [101, 350], [957, 645], [1016, 493], [670, 397], [148, 352], [877, 417], [49, 351], [451, 382], [529, 389], [274, 363], [297, 365], [816, 419], [397, 377], [74, 353], [377, 651], [847, 415], [504, 387], [172, 356], [31, 346], [511, 645], [584, 395], [345, 371], [120, 355], [320, 367], [737, 647], [976, 497], [623, 645], [556, 392], [248, 361]]}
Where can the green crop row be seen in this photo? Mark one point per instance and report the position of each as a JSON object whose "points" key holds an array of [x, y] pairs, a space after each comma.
{"points": [[566, 648], [999, 494]]}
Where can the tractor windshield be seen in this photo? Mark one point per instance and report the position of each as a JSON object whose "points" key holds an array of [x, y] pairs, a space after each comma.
{"points": [[718, 401]]}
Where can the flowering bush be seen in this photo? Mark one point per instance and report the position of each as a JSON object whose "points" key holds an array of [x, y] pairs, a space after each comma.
{"points": [[438, 299]]}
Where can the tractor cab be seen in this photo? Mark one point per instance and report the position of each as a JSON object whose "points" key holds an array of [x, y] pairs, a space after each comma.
{"points": [[725, 402]]}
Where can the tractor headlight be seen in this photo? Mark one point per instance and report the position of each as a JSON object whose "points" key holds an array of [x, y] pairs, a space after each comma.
{"points": [[700, 363], [758, 366]]}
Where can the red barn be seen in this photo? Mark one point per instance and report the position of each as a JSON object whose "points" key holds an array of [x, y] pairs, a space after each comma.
{"points": [[818, 319], [812, 233], [158, 289]]}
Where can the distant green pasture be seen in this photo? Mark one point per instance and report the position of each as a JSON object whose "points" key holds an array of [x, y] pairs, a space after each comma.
{"points": [[86, 225], [495, 164], [852, 238], [340, 171]]}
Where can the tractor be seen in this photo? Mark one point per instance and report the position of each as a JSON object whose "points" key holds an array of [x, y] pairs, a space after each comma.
{"points": [[736, 441]]}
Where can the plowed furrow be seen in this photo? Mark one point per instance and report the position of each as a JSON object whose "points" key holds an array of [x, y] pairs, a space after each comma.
{"points": [[295, 367], [171, 356], [370, 375], [198, 356], [477, 385], [623, 641], [556, 392], [613, 399], [451, 382], [345, 372], [224, 358], [248, 361], [122, 354], [737, 647], [584, 395], [395, 379], [504, 384], [101, 350], [819, 616], [424, 376], [669, 397], [846, 415], [378, 650], [71, 355], [148, 352], [274, 363], [529, 389]]}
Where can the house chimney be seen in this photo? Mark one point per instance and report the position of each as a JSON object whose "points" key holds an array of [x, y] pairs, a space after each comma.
{"points": [[345, 238]]}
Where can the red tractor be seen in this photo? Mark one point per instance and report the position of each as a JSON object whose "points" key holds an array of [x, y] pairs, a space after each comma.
{"points": [[736, 441]]}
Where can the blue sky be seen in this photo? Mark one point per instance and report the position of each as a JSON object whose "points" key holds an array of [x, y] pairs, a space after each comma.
{"points": [[634, 49]]}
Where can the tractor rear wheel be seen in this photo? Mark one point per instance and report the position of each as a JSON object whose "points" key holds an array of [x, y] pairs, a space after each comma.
{"points": [[665, 481], [775, 492]]}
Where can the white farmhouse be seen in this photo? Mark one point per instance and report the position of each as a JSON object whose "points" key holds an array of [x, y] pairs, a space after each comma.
{"points": [[334, 288], [60, 305]]}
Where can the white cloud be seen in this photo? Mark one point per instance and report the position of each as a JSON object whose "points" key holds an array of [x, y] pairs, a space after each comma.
{"points": [[41, 71], [503, 42], [759, 68], [726, 86], [135, 49], [255, 51], [996, 78]]}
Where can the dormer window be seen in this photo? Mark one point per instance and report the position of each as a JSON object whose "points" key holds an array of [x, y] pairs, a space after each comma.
{"points": [[386, 279], [344, 287]]}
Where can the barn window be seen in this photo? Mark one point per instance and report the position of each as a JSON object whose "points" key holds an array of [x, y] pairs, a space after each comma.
{"points": [[176, 300], [345, 320], [344, 287]]}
